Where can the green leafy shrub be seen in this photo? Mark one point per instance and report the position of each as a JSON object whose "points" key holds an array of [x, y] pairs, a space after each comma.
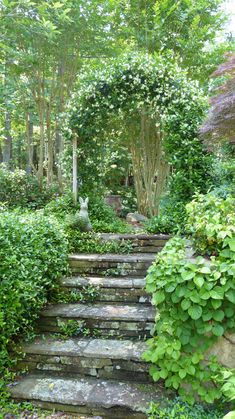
{"points": [[223, 171], [102, 216], [227, 378], [178, 409], [211, 225], [86, 294], [172, 217], [129, 201], [33, 254], [61, 206], [92, 243], [195, 298], [17, 188], [160, 224], [71, 327]]}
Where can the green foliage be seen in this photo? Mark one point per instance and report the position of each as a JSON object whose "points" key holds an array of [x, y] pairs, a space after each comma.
{"points": [[33, 253], [195, 301], [75, 221], [224, 178], [223, 172], [61, 206], [104, 219], [171, 219], [230, 415], [186, 28], [103, 165], [119, 93], [93, 243], [19, 189], [73, 328], [227, 378], [9, 408], [129, 201], [178, 409], [160, 224], [211, 224], [122, 271], [86, 294], [102, 216]]}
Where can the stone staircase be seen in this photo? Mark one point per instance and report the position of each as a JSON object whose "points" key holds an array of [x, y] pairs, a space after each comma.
{"points": [[101, 375]]}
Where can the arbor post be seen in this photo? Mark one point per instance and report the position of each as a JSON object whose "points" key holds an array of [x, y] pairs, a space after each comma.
{"points": [[75, 169]]}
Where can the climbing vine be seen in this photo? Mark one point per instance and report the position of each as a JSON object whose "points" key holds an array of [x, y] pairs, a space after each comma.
{"points": [[195, 298], [159, 111]]}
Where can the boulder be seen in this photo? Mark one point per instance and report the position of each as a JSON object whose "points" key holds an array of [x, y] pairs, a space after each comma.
{"points": [[224, 349], [135, 217]]}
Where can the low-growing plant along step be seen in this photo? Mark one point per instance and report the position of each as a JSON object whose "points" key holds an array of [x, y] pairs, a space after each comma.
{"points": [[119, 289], [114, 359], [109, 399], [143, 243], [111, 264], [111, 320]]}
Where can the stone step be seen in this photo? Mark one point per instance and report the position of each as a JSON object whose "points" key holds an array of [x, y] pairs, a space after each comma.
{"points": [[143, 243], [106, 359], [134, 320], [119, 289], [89, 396], [111, 264]]}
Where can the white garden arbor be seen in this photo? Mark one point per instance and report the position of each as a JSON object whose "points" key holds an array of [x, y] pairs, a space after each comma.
{"points": [[159, 110]]}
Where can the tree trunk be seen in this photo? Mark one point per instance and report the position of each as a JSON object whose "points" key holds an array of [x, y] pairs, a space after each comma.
{"points": [[75, 169], [29, 135], [41, 147], [7, 142], [50, 150], [59, 141], [149, 166], [59, 146], [1, 155]]}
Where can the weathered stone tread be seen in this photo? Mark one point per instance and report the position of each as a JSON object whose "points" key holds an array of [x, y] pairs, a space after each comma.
{"points": [[109, 257], [88, 395], [134, 312], [87, 347], [136, 236], [103, 282]]}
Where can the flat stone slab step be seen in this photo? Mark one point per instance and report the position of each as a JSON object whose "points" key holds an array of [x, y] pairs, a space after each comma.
{"points": [[103, 282], [135, 236], [87, 347], [144, 243], [120, 289], [125, 258], [109, 399], [134, 312], [134, 320], [101, 358], [123, 264]]}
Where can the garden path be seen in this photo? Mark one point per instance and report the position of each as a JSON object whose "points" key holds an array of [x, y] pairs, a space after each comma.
{"points": [[101, 375]]}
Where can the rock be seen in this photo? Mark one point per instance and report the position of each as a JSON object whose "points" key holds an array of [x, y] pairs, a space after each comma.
{"points": [[224, 349], [135, 217], [114, 201], [87, 395]]}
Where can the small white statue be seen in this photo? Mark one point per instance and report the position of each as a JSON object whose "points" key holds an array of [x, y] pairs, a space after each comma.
{"points": [[82, 216], [81, 219]]}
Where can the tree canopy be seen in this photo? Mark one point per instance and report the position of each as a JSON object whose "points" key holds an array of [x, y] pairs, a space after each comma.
{"points": [[46, 44]]}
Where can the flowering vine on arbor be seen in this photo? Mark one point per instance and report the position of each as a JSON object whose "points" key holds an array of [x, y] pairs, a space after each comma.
{"points": [[159, 111]]}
